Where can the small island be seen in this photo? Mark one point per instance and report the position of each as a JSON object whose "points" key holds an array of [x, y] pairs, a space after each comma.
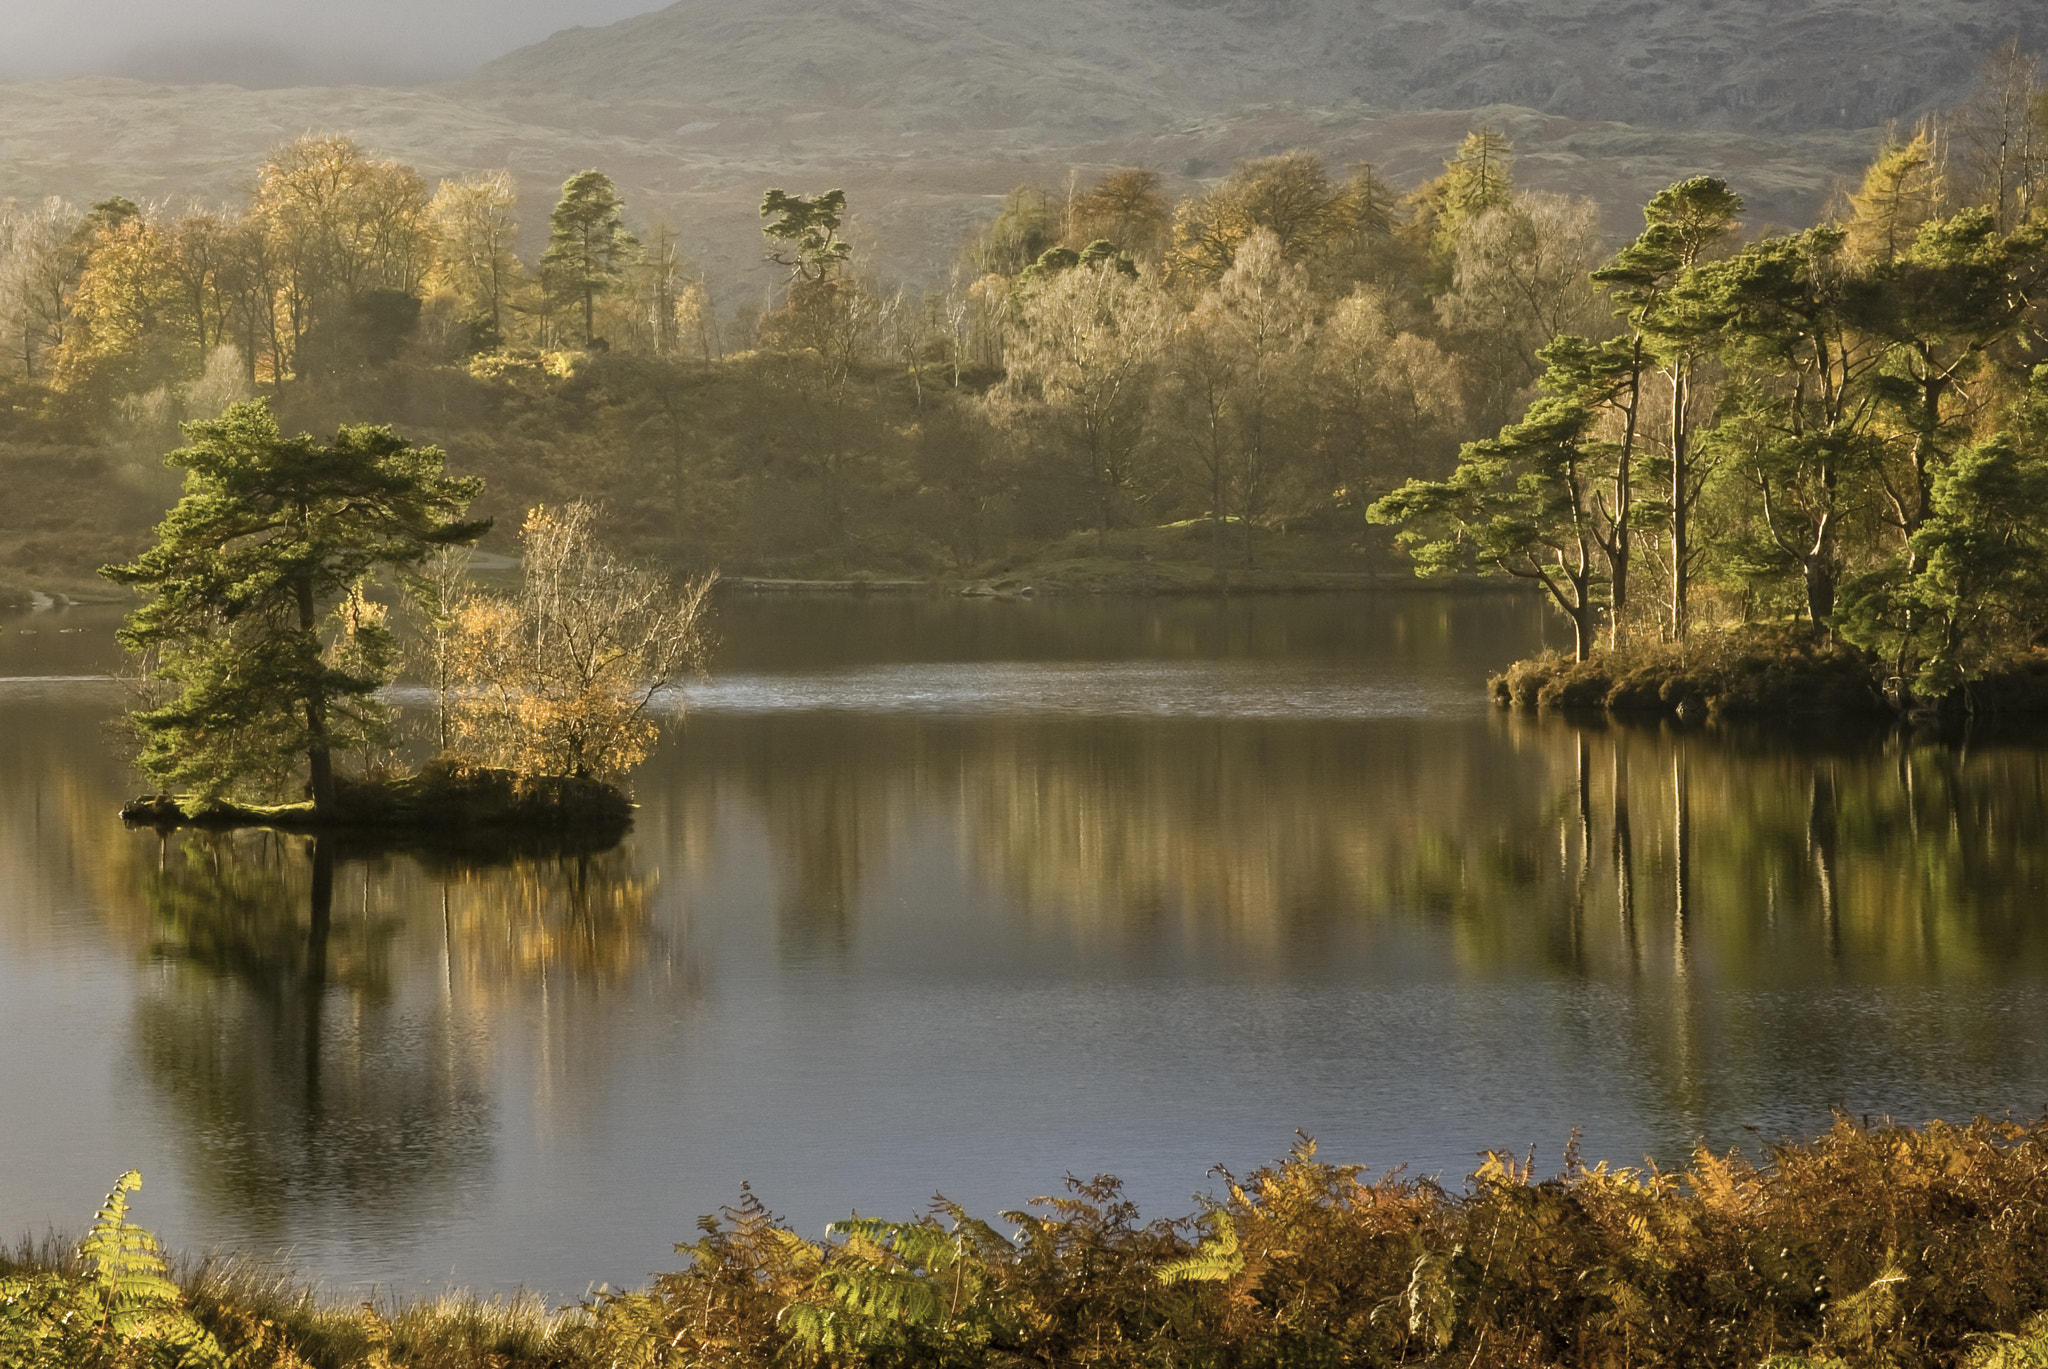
{"points": [[264, 653], [1826, 452]]}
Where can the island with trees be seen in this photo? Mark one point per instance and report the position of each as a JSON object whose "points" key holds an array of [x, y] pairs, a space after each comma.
{"points": [[1747, 465], [1828, 448], [264, 649]]}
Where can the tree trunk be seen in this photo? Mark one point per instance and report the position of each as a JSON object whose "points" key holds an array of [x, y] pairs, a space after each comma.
{"points": [[1216, 517], [1681, 531], [1681, 844], [1624, 852], [1820, 594], [316, 964], [320, 762], [1585, 623], [319, 757]]}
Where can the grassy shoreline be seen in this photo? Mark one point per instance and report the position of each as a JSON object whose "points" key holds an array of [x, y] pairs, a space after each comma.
{"points": [[1769, 675], [1869, 1245], [441, 805]]}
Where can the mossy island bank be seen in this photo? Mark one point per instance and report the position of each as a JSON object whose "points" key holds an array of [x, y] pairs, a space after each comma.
{"points": [[443, 806]]}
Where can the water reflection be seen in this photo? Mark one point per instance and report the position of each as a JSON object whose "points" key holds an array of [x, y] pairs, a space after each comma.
{"points": [[855, 952], [315, 1069], [1610, 853]]}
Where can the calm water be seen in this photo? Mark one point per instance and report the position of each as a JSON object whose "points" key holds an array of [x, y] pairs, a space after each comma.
{"points": [[954, 896]]}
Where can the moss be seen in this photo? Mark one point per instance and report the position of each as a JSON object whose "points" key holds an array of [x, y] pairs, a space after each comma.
{"points": [[1575, 685]]}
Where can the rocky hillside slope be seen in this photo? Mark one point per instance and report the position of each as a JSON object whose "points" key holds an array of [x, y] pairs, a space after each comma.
{"points": [[927, 110], [1103, 67]]}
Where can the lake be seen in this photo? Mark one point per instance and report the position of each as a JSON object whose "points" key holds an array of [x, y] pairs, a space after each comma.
{"points": [[954, 896]]}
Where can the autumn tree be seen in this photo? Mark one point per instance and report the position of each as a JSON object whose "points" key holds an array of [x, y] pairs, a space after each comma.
{"points": [[1386, 400], [1030, 221], [1081, 363], [1520, 279], [121, 337], [1127, 207], [258, 616], [1901, 190], [659, 283], [1290, 196], [2002, 136], [476, 235], [561, 676], [203, 245], [347, 246], [1253, 331], [37, 278], [1477, 179], [822, 334]]}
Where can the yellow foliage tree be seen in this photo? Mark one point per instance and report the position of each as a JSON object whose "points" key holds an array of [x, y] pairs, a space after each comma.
{"points": [[559, 678], [1290, 196], [122, 311], [1903, 189]]}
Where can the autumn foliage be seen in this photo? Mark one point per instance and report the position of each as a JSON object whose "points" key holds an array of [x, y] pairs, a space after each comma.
{"points": [[559, 677], [1873, 1245]]}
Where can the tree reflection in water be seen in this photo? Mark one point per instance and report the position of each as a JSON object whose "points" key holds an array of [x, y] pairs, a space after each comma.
{"points": [[1728, 904], [312, 1074]]}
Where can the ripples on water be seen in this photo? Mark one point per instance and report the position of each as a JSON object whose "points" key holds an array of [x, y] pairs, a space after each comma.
{"points": [[929, 895], [1120, 690]]}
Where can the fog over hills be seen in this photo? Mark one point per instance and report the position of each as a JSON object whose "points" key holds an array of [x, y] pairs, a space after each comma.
{"points": [[1117, 66], [927, 110]]}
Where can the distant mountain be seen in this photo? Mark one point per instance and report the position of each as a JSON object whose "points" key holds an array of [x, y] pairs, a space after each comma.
{"points": [[1104, 67], [926, 111]]}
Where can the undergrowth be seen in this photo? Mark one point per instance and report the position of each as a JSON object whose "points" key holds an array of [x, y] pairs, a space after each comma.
{"points": [[1748, 674], [1869, 1246], [1760, 673]]}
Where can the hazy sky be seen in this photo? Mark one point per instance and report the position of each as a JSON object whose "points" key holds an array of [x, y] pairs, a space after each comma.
{"points": [[258, 42]]}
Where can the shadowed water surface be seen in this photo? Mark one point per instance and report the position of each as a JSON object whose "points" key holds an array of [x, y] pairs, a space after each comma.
{"points": [[961, 896]]}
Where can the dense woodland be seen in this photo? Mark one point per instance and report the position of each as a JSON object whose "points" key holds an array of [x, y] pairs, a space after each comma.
{"points": [[1718, 422]]}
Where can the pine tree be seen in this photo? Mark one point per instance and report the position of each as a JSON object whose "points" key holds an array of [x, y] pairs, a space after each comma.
{"points": [[588, 245], [1479, 178], [259, 616], [803, 234]]}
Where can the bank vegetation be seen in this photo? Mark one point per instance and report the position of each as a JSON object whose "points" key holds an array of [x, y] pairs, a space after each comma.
{"points": [[1873, 1245]]}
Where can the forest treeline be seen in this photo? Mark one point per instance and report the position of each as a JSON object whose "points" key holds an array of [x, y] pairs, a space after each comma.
{"points": [[1870, 1246], [1231, 380]]}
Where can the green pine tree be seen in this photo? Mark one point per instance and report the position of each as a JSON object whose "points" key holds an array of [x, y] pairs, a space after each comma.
{"points": [[588, 245], [258, 616]]}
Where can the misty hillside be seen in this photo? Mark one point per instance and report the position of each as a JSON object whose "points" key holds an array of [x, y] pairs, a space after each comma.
{"points": [[1106, 67], [926, 111]]}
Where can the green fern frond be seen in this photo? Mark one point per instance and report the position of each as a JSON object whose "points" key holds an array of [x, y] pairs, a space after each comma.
{"points": [[128, 1294], [1216, 1260], [2026, 1350], [1433, 1298], [125, 1264], [823, 1330]]}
